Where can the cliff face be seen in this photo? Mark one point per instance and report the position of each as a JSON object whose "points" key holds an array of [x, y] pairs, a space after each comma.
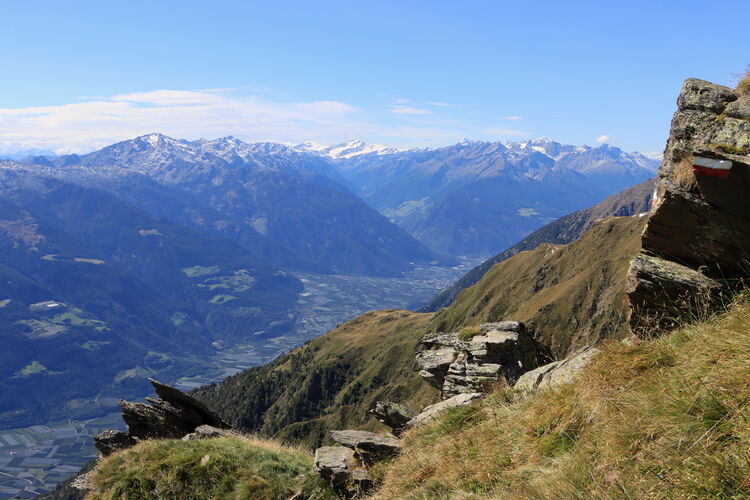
{"points": [[696, 244]]}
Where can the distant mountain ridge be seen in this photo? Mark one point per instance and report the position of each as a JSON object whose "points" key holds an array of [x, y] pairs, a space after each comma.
{"points": [[348, 149], [288, 207], [476, 197]]}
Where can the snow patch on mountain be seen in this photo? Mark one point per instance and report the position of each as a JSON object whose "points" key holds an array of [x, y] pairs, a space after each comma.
{"points": [[347, 149]]}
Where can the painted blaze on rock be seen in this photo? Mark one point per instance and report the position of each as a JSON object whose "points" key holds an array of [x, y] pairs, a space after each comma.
{"points": [[696, 245]]}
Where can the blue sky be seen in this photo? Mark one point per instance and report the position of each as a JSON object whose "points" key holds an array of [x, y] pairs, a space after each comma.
{"points": [[78, 75]]}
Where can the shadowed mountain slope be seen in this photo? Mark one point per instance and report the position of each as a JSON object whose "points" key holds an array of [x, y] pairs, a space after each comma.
{"points": [[476, 198], [96, 294], [564, 230]]}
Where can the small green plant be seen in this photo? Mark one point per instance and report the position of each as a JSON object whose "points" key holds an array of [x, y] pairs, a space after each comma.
{"points": [[467, 333], [728, 148]]}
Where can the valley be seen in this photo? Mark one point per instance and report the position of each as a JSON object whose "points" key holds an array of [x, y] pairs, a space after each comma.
{"points": [[34, 459]]}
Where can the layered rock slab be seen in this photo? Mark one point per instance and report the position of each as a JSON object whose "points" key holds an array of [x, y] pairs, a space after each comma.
{"points": [[368, 446], [430, 412], [172, 415], [557, 372], [458, 364]]}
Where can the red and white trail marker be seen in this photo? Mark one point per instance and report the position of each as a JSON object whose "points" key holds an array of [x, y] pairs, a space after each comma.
{"points": [[711, 167]]}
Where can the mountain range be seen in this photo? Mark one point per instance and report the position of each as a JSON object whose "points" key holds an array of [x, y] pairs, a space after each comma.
{"points": [[477, 198], [138, 259]]}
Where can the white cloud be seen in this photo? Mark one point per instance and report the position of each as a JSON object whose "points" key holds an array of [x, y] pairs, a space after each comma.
{"points": [[82, 126], [439, 104], [512, 117], [604, 138], [408, 110]]}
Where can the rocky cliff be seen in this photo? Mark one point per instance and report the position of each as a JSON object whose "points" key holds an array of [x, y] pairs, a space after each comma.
{"points": [[696, 243]]}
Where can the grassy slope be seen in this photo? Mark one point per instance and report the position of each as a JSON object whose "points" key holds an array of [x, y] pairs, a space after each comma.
{"points": [[222, 468], [330, 382], [572, 294], [561, 231], [667, 418]]}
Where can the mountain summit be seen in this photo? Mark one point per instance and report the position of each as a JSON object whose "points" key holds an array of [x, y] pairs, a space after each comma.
{"points": [[348, 149]]}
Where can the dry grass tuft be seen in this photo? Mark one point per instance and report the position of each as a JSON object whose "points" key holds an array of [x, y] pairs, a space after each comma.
{"points": [[667, 418], [743, 88], [683, 173]]}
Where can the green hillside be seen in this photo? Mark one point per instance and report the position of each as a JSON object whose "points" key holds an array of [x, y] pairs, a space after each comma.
{"points": [[561, 231], [663, 419], [329, 382], [222, 468], [572, 295]]}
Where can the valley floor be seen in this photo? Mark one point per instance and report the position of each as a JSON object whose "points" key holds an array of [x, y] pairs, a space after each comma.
{"points": [[34, 459]]}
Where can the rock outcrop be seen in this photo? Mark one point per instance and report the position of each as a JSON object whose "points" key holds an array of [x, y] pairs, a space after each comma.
{"points": [[345, 467], [430, 412], [465, 362], [393, 415], [696, 244], [368, 447], [172, 415], [557, 372], [335, 465], [110, 441]]}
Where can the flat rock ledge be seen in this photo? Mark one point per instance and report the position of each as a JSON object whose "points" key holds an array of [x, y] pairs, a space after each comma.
{"points": [[430, 412], [368, 446], [557, 372]]}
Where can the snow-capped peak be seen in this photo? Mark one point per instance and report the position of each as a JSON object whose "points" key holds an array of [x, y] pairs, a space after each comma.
{"points": [[348, 149]]}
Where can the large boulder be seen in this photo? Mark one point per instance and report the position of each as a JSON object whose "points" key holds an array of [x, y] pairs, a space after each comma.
{"points": [[557, 372], [701, 95], [369, 447], [393, 415], [430, 412], [462, 364]]}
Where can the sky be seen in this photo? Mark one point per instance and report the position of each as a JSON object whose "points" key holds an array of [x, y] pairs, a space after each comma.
{"points": [[79, 75]]}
